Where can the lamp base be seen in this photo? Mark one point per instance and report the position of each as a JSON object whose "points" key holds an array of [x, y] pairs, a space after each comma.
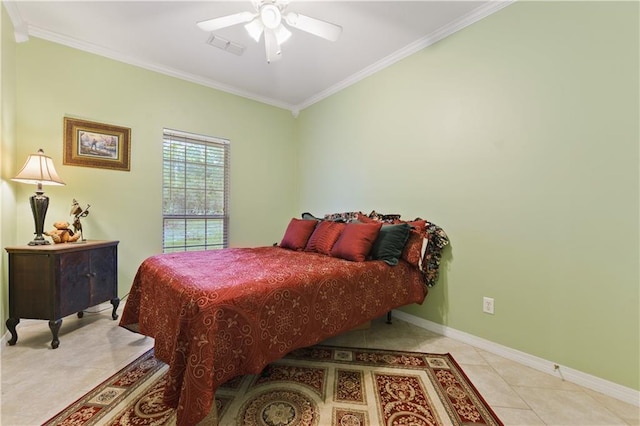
{"points": [[39, 204], [37, 242]]}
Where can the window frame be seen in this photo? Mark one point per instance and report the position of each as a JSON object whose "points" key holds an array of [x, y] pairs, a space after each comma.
{"points": [[179, 171]]}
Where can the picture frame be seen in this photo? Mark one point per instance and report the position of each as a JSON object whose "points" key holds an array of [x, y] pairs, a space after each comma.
{"points": [[92, 144]]}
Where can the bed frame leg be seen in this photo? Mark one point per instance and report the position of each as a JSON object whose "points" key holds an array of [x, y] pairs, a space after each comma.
{"points": [[389, 318]]}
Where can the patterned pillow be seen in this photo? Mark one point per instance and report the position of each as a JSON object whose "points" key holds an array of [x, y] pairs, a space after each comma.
{"points": [[298, 233], [413, 249], [324, 237], [345, 217], [356, 241], [386, 218]]}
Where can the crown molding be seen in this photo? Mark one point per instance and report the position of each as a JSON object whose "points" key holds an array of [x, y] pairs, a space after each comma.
{"points": [[111, 54], [20, 30], [23, 30], [441, 33]]}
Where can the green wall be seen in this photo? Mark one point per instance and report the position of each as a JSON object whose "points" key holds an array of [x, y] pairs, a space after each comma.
{"points": [[7, 152], [54, 81], [519, 136]]}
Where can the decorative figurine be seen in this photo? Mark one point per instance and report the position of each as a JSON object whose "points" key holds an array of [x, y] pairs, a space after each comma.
{"points": [[78, 213], [62, 234]]}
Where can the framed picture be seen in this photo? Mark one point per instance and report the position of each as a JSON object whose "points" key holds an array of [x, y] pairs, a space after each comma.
{"points": [[91, 144]]}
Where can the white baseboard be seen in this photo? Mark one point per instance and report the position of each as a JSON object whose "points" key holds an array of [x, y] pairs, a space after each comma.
{"points": [[4, 340], [614, 390]]}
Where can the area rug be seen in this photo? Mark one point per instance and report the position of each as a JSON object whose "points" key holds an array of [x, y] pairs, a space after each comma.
{"points": [[320, 385]]}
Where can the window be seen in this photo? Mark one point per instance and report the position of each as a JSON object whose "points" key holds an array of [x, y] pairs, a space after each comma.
{"points": [[195, 192]]}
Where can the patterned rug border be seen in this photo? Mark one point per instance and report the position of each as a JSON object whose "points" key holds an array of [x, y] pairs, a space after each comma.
{"points": [[105, 398], [85, 411]]}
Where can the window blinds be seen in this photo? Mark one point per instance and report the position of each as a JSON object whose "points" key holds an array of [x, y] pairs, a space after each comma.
{"points": [[195, 191]]}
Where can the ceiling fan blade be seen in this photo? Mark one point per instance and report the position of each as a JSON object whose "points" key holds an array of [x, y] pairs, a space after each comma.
{"points": [[226, 21], [271, 46], [314, 26]]}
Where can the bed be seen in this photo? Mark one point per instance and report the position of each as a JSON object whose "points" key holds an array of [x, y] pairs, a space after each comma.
{"points": [[218, 314]]}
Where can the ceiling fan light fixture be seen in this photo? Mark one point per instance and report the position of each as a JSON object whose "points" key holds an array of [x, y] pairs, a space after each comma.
{"points": [[292, 18], [282, 34], [255, 29], [267, 23], [270, 16]]}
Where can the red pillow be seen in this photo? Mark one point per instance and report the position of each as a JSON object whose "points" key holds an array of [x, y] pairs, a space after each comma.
{"points": [[298, 233], [324, 237], [365, 219], [356, 241], [412, 252]]}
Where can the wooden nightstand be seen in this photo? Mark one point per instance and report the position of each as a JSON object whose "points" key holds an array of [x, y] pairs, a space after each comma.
{"points": [[49, 282]]}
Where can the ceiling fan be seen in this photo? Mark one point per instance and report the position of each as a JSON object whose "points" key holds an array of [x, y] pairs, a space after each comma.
{"points": [[268, 19]]}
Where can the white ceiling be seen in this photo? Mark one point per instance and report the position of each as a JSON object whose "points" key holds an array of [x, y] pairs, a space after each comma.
{"points": [[163, 36]]}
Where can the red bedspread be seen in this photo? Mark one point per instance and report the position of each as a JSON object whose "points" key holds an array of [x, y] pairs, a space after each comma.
{"points": [[218, 314]]}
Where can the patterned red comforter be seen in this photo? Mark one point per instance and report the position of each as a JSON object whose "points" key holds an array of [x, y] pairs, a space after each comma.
{"points": [[218, 314]]}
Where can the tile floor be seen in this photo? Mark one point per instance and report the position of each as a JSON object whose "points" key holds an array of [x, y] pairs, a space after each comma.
{"points": [[38, 382]]}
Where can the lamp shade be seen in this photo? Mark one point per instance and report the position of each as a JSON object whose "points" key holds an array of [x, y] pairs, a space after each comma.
{"points": [[38, 169]]}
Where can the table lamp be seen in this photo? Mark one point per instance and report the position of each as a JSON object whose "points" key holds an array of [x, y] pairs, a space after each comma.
{"points": [[39, 169]]}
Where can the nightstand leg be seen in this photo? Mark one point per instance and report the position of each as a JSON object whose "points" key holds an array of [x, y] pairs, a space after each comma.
{"points": [[115, 302], [55, 327], [11, 325]]}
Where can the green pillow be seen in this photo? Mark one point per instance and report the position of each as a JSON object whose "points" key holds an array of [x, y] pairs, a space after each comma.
{"points": [[390, 242]]}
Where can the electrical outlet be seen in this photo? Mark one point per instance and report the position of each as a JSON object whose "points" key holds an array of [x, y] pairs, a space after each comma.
{"points": [[487, 305]]}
